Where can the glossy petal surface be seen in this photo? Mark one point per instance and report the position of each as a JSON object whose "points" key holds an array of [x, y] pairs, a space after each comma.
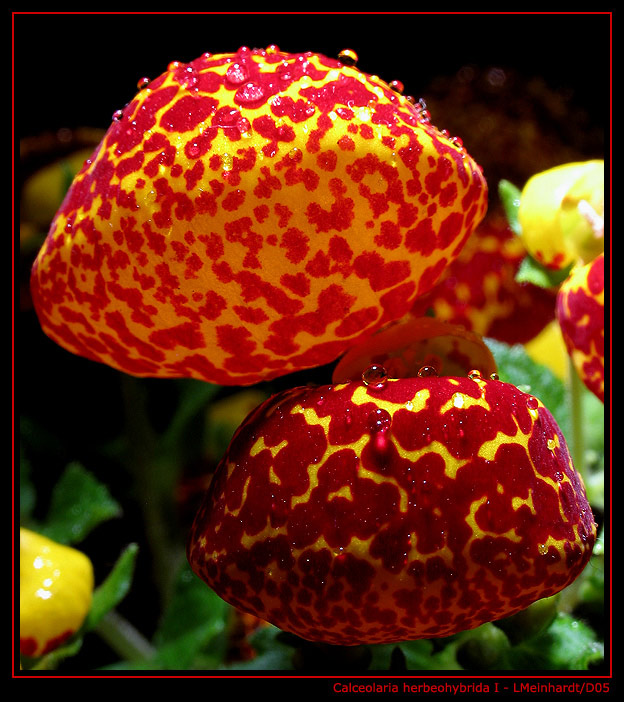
{"points": [[422, 507], [560, 214], [56, 586], [479, 291], [251, 214], [580, 312]]}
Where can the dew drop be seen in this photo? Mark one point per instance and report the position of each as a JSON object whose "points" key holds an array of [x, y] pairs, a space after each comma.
{"points": [[117, 115], [457, 142], [543, 549], [143, 83], [236, 74], [272, 49], [532, 402], [427, 372], [494, 376], [249, 94], [397, 86], [379, 420], [348, 57], [552, 444], [474, 374], [375, 376]]}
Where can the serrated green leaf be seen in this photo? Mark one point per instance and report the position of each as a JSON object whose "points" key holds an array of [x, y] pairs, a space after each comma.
{"points": [[116, 586], [568, 644], [510, 198], [78, 504]]}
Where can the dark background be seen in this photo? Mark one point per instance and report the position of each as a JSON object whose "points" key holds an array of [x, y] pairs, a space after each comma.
{"points": [[523, 91], [77, 69]]}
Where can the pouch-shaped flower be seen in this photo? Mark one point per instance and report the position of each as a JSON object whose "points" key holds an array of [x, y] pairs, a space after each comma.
{"points": [[252, 214]]}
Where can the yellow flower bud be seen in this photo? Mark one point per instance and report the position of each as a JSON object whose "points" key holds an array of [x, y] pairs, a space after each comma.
{"points": [[56, 587], [561, 214]]}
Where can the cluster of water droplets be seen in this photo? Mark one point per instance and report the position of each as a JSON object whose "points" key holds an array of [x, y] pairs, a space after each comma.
{"points": [[376, 376]]}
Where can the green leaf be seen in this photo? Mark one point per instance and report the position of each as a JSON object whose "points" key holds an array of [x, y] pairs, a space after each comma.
{"points": [[52, 660], [79, 503], [510, 198], [116, 586], [531, 271], [568, 644], [194, 622]]}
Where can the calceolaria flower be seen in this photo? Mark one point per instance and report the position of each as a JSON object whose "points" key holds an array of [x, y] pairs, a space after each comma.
{"points": [[56, 587], [252, 214], [383, 508], [580, 313], [561, 214], [479, 289]]}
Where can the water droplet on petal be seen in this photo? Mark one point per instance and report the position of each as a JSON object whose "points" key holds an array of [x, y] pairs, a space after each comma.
{"points": [[543, 549], [379, 420], [532, 404], [494, 376], [427, 372], [397, 86], [236, 74], [248, 94], [348, 57], [375, 375], [474, 374], [117, 115], [457, 142], [143, 82], [552, 444]]}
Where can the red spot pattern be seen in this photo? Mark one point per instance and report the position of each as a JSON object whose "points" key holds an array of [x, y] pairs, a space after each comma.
{"points": [[349, 515], [580, 313], [274, 181], [478, 289]]}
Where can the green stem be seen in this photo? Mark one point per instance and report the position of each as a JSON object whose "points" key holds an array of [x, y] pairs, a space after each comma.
{"points": [[153, 495], [124, 639]]}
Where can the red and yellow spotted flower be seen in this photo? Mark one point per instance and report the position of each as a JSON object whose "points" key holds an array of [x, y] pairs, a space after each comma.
{"points": [[56, 588], [479, 290], [390, 509], [561, 214], [252, 214], [580, 313]]}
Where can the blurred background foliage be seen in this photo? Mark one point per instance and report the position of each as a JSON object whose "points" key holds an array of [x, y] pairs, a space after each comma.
{"points": [[116, 465]]}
